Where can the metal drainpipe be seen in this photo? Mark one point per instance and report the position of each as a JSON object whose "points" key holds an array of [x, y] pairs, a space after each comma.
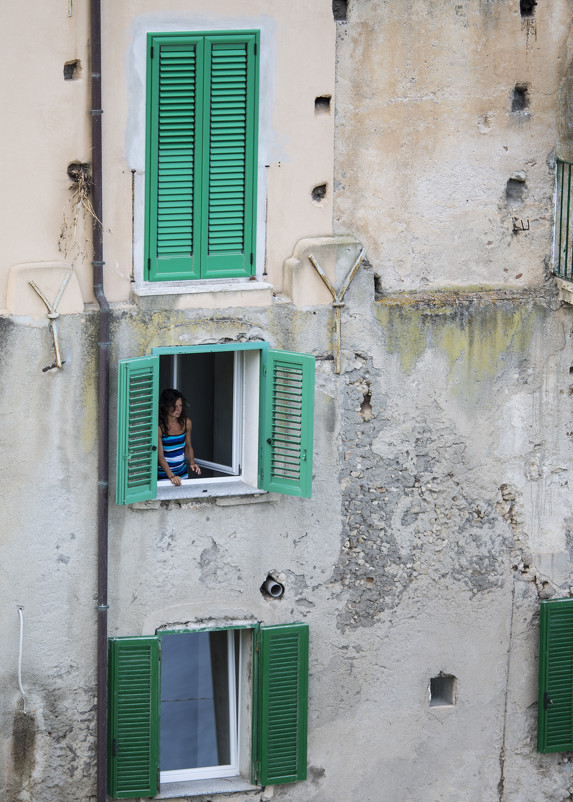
{"points": [[103, 400]]}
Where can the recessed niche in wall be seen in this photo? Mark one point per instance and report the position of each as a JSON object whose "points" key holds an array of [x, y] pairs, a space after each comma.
{"points": [[72, 70], [322, 104], [527, 7], [520, 97], [339, 10], [442, 690]]}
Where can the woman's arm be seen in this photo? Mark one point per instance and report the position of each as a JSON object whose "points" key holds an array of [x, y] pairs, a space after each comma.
{"points": [[189, 453], [175, 480]]}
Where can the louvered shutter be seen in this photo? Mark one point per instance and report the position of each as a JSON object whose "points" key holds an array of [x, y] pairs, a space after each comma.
{"points": [[137, 424], [282, 704], [229, 156], [287, 430], [555, 704], [133, 726], [174, 119]]}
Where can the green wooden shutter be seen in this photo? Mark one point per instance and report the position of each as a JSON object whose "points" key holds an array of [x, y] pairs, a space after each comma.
{"points": [[133, 727], [229, 157], [555, 704], [287, 403], [137, 422], [173, 157], [282, 703]]}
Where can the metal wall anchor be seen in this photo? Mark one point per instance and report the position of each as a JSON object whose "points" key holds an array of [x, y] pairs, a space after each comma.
{"points": [[53, 315], [337, 302]]}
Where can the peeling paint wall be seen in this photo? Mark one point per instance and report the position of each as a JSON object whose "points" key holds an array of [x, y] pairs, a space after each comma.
{"points": [[441, 510]]}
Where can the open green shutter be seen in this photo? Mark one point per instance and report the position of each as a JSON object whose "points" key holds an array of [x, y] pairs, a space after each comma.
{"points": [[173, 157], [229, 158], [133, 726], [287, 423], [137, 424], [555, 704], [282, 703]]}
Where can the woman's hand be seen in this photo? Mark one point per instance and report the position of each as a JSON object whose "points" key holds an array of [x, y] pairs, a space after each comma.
{"points": [[195, 467], [175, 480]]}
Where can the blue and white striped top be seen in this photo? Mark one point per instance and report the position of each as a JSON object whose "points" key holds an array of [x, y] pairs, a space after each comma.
{"points": [[174, 453]]}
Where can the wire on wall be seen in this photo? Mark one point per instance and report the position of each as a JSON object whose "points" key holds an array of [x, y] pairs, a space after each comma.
{"points": [[21, 614]]}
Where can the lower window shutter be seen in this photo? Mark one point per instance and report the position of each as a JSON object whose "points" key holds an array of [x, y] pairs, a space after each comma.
{"points": [[282, 703], [137, 425], [555, 704], [287, 401], [133, 725]]}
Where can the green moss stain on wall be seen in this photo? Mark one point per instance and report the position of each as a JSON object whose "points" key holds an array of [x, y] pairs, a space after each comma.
{"points": [[479, 339]]}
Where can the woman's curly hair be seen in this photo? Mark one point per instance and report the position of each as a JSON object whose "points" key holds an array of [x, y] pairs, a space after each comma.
{"points": [[167, 401]]}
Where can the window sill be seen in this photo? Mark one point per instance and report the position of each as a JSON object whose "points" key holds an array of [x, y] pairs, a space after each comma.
{"points": [[222, 785], [205, 488], [212, 294]]}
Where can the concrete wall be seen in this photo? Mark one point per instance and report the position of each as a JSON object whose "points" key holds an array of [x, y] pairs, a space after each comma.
{"points": [[441, 510]]}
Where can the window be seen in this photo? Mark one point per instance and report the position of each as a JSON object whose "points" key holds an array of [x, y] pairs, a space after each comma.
{"points": [[201, 155], [555, 702], [252, 414], [183, 716], [563, 240]]}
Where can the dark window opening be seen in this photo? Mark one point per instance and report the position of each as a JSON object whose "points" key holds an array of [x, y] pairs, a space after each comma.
{"points": [[209, 384]]}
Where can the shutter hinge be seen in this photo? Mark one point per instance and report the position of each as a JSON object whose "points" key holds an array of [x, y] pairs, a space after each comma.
{"points": [[152, 49], [255, 48], [546, 701], [149, 263], [114, 749], [251, 259]]}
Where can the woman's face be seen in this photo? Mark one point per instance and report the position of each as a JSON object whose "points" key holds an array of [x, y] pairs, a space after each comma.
{"points": [[177, 408]]}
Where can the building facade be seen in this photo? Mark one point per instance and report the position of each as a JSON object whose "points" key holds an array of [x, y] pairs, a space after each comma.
{"points": [[331, 225]]}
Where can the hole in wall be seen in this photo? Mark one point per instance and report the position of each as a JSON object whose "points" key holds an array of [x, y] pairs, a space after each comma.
{"points": [[515, 191], [366, 406], [72, 70], [322, 104], [318, 193], [79, 173], [527, 7], [339, 10], [442, 690], [520, 97]]}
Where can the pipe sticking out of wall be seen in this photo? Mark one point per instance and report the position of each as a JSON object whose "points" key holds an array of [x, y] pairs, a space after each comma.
{"points": [[21, 615]]}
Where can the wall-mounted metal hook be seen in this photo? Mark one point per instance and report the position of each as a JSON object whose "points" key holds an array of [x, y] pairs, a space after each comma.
{"points": [[520, 227], [337, 302], [53, 315]]}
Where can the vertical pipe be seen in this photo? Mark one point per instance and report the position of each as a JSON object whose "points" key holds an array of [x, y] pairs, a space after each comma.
{"points": [[560, 176], [567, 219], [103, 400]]}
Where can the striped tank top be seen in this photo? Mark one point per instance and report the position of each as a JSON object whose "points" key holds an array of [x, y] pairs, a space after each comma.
{"points": [[174, 453]]}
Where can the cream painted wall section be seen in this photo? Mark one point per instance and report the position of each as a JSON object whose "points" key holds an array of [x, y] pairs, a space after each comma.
{"points": [[427, 141], [295, 143], [45, 126]]}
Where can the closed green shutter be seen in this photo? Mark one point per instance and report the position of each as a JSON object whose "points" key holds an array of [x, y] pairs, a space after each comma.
{"points": [[555, 704], [137, 424], [282, 703], [133, 727], [201, 155], [287, 423]]}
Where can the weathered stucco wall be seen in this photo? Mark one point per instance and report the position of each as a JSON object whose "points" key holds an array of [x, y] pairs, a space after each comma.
{"points": [[426, 139], [441, 510]]}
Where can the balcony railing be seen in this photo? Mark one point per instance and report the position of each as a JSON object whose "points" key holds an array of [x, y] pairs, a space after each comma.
{"points": [[563, 243]]}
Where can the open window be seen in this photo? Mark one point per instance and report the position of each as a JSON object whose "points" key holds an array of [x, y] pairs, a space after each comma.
{"points": [[251, 409], [220, 703]]}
